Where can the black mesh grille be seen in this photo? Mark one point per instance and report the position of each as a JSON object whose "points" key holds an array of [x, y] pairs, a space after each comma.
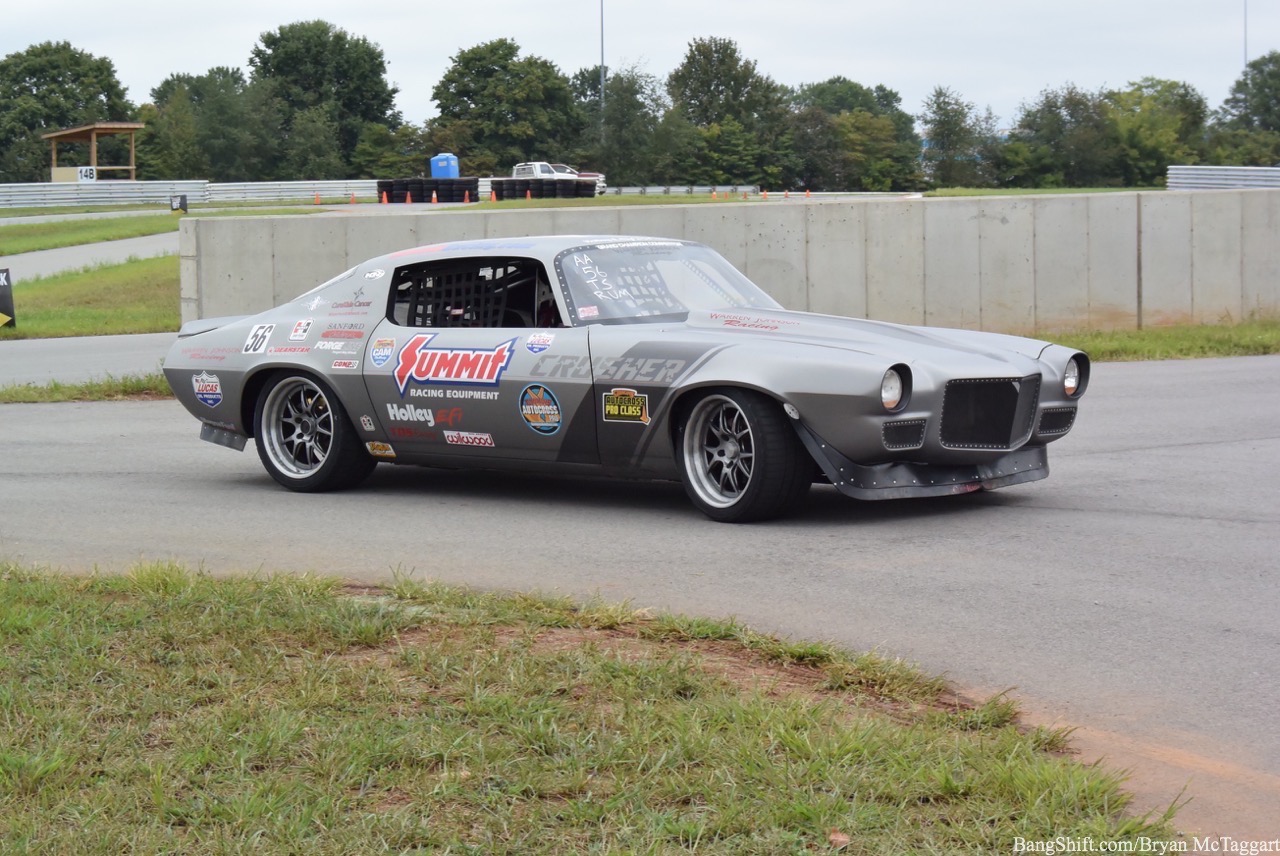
{"points": [[1057, 420], [908, 434], [989, 413]]}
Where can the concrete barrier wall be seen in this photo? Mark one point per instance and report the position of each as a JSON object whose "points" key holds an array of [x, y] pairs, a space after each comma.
{"points": [[1018, 264]]}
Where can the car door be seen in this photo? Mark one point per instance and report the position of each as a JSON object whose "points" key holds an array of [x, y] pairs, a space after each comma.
{"points": [[471, 362]]}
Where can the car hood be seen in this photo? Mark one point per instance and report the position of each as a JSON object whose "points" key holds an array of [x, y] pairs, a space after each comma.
{"points": [[875, 338]]}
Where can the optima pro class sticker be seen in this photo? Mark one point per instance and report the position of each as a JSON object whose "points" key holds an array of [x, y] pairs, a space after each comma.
{"points": [[625, 405]]}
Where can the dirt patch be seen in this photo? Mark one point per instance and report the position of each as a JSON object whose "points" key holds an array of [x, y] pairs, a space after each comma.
{"points": [[1215, 797]]}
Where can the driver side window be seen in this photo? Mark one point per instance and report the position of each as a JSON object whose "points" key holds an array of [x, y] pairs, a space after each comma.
{"points": [[481, 292]]}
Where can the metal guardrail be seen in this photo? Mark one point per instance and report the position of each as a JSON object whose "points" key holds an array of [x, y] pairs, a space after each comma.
{"points": [[1222, 177], [40, 195], [363, 189], [687, 190], [98, 193]]}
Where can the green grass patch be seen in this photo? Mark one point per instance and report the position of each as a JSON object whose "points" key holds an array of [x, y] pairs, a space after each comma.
{"points": [[127, 387], [29, 237], [138, 296], [1249, 338], [165, 711], [608, 201], [1031, 191], [51, 235]]}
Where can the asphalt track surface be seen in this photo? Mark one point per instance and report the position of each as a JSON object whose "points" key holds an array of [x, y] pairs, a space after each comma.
{"points": [[1133, 594]]}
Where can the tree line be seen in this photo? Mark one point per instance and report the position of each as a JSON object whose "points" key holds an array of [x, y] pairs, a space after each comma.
{"points": [[316, 104]]}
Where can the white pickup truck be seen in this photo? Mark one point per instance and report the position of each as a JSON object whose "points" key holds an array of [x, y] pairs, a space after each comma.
{"points": [[542, 169]]}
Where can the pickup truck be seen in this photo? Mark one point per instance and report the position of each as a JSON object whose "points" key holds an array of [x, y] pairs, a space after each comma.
{"points": [[542, 169]]}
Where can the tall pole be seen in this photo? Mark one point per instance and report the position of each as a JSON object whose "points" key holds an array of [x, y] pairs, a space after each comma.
{"points": [[1246, 31], [602, 71]]}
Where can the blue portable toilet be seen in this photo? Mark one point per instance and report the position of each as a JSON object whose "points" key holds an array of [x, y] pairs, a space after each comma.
{"points": [[444, 166]]}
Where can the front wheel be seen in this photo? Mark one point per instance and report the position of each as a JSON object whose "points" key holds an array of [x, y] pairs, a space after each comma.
{"points": [[304, 438], [739, 459]]}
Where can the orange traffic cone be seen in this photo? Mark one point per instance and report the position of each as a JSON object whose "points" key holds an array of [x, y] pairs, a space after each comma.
{"points": [[353, 197], [466, 196], [493, 196], [764, 194], [408, 197], [806, 193], [434, 200], [786, 194], [528, 194], [744, 196], [384, 197], [713, 193], [317, 202]]}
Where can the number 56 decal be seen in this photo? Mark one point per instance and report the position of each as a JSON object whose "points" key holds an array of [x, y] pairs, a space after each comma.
{"points": [[257, 341]]}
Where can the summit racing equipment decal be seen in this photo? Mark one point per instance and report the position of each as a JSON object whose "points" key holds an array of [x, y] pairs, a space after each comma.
{"points": [[208, 388], [540, 409], [626, 405], [475, 366]]}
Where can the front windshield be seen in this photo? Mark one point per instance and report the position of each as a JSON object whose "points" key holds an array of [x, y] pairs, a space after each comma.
{"points": [[652, 281]]}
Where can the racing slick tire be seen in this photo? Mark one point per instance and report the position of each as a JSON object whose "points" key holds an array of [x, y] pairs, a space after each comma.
{"points": [[740, 460], [305, 440]]}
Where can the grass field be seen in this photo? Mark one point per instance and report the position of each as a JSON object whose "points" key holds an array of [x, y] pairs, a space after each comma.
{"points": [[30, 237], [139, 296], [163, 711]]}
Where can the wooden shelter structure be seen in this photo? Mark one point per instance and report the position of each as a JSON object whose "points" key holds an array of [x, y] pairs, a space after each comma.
{"points": [[90, 134]]}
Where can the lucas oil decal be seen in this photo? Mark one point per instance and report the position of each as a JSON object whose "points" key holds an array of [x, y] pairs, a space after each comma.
{"points": [[540, 409], [539, 342], [626, 405], [477, 366], [208, 388]]}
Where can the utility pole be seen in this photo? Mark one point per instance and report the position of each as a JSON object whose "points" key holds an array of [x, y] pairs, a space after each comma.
{"points": [[602, 70]]}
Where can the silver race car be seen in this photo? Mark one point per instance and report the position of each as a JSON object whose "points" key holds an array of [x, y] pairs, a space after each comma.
{"points": [[619, 356]]}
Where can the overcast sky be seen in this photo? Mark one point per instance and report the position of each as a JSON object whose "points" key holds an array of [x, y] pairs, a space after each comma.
{"points": [[996, 53]]}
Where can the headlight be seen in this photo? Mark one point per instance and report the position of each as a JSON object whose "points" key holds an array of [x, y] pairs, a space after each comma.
{"points": [[892, 390], [1071, 378]]}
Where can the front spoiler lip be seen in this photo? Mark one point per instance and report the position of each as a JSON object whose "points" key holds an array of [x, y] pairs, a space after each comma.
{"points": [[904, 480]]}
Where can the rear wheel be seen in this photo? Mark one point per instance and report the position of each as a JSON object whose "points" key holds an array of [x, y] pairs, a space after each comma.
{"points": [[304, 438], [739, 459]]}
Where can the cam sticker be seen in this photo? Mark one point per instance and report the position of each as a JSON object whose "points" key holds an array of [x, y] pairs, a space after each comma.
{"points": [[208, 388], [626, 405], [539, 342], [380, 450], [300, 330], [468, 438], [381, 351], [540, 409], [258, 337], [420, 364]]}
